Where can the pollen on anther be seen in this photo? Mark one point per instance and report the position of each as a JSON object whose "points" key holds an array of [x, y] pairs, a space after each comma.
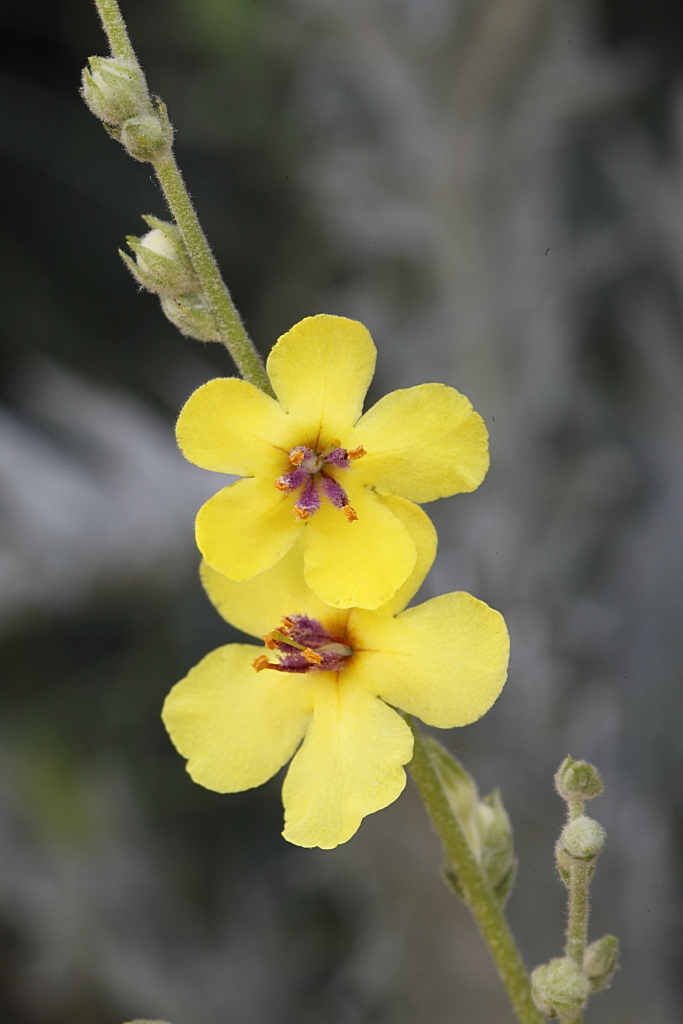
{"points": [[357, 453], [297, 457], [312, 657], [282, 485], [350, 513], [301, 513], [261, 662]]}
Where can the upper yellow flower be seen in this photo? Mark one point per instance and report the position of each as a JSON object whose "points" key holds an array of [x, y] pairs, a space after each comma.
{"points": [[327, 682], [316, 467]]}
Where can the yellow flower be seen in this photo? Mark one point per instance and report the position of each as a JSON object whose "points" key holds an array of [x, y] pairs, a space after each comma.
{"points": [[315, 466], [325, 686]]}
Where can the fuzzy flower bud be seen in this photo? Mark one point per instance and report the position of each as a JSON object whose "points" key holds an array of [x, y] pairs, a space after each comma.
{"points": [[559, 988], [148, 136], [583, 838], [162, 264], [497, 849], [192, 316], [600, 961], [485, 823], [114, 89], [577, 780]]}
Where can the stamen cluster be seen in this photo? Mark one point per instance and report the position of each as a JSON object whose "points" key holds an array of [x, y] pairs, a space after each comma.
{"points": [[310, 475], [302, 644]]}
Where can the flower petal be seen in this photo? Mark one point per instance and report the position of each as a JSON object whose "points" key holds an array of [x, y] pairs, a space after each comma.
{"points": [[424, 443], [361, 563], [246, 528], [445, 660], [257, 605], [236, 726], [349, 765], [421, 529], [320, 371], [229, 426]]}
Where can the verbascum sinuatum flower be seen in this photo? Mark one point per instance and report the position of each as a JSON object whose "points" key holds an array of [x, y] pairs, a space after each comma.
{"points": [[315, 468], [325, 688]]}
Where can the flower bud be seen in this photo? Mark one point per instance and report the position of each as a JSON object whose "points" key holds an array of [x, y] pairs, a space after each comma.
{"points": [[559, 988], [162, 263], [600, 961], [497, 849], [192, 316], [148, 136], [114, 89], [460, 791], [583, 838], [485, 824], [577, 780]]}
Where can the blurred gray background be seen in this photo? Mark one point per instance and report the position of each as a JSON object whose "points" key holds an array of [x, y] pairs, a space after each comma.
{"points": [[496, 189]]}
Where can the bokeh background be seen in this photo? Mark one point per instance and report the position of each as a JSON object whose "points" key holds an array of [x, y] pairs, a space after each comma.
{"points": [[496, 190]]}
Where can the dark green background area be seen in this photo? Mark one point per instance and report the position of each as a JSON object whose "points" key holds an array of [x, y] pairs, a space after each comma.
{"points": [[125, 890]]}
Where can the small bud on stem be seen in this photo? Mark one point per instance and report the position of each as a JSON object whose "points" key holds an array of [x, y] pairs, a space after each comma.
{"points": [[162, 263], [114, 89], [559, 988]]}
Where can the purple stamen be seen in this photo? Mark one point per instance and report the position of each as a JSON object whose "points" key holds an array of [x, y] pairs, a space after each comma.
{"points": [[308, 501], [293, 480], [334, 491], [309, 475], [333, 652], [338, 457]]}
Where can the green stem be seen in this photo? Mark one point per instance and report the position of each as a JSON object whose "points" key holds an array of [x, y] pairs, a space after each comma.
{"points": [[234, 335], [233, 332], [115, 27], [477, 892], [577, 918]]}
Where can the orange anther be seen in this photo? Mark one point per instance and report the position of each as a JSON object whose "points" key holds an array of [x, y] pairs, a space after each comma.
{"points": [[261, 662], [296, 458], [312, 657], [270, 642], [350, 513], [301, 513], [282, 486], [357, 453]]}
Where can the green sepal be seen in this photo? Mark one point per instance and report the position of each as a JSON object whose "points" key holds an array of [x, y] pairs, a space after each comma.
{"points": [[114, 89], [495, 835], [162, 263], [600, 961], [191, 315], [149, 136]]}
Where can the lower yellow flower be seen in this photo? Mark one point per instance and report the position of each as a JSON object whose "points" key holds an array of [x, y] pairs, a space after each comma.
{"points": [[324, 689]]}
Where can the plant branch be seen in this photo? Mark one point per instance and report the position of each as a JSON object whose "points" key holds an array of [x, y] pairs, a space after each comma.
{"points": [[476, 890]]}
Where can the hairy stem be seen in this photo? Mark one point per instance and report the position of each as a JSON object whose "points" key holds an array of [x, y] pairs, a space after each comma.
{"points": [[232, 329], [233, 333], [477, 892], [115, 27]]}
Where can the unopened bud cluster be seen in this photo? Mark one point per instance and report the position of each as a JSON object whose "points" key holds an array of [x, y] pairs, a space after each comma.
{"points": [[162, 265], [561, 987], [484, 821], [115, 90]]}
